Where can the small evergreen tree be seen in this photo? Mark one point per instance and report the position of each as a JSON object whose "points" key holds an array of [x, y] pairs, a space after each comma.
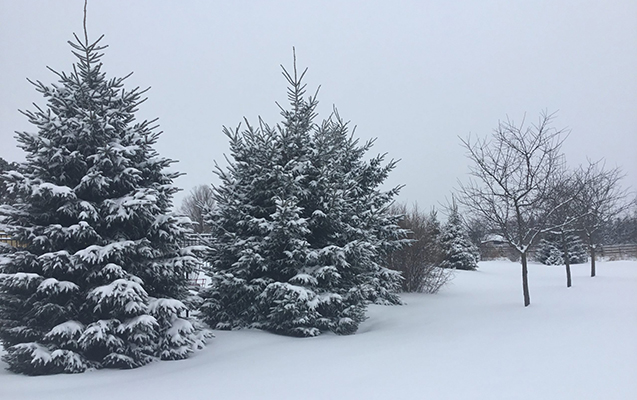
{"points": [[550, 250], [300, 228], [459, 252], [548, 253], [99, 275]]}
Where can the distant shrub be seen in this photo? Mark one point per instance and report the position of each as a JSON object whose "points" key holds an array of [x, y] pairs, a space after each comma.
{"points": [[419, 260]]}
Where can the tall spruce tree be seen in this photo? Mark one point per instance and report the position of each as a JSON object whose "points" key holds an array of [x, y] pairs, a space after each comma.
{"points": [[97, 279], [459, 252], [300, 228]]}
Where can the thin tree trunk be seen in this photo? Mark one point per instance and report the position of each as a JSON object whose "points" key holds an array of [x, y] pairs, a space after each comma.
{"points": [[525, 281], [592, 260], [567, 261]]}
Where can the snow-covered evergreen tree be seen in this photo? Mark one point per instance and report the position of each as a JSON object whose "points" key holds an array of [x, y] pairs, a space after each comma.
{"points": [[300, 227], [548, 254], [550, 250], [99, 274], [459, 252]]}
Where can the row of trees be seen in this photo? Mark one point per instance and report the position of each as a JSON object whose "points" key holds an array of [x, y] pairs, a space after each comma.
{"points": [[302, 238], [522, 190], [300, 231], [426, 260], [621, 229]]}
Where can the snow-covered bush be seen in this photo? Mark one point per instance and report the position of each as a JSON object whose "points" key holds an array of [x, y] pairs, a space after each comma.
{"points": [[99, 273], [300, 228], [419, 260]]}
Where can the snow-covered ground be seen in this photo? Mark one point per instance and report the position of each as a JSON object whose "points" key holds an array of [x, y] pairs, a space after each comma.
{"points": [[473, 340]]}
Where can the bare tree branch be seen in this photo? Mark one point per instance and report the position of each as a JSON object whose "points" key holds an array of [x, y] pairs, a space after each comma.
{"points": [[196, 206], [601, 200], [513, 173], [419, 260]]}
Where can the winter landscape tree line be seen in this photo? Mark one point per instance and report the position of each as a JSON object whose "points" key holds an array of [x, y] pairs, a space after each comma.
{"points": [[301, 236]]}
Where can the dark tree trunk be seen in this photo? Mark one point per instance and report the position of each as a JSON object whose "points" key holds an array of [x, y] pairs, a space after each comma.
{"points": [[525, 281], [592, 248], [567, 261]]}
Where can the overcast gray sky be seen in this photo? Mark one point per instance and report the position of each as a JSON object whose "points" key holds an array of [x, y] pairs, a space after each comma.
{"points": [[414, 74]]}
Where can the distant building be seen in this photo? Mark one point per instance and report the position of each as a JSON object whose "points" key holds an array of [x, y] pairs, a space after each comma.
{"points": [[495, 246]]}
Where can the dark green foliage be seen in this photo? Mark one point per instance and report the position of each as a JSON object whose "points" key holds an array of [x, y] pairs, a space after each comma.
{"points": [[550, 250], [98, 276], [459, 252], [5, 196], [300, 227]]}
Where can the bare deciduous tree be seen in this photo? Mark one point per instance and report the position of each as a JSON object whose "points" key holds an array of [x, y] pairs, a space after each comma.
{"points": [[419, 260], [564, 214], [196, 205], [601, 200], [621, 229], [513, 173]]}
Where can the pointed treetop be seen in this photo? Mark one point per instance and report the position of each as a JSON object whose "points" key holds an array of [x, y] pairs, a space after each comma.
{"points": [[85, 31]]}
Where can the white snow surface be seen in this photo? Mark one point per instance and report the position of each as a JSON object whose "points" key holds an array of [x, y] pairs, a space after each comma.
{"points": [[473, 340]]}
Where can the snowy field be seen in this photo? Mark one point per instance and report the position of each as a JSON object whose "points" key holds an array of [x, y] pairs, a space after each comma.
{"points": [[473, 340]]}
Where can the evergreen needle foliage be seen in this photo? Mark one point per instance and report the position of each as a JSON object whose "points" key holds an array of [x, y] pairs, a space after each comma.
{"points": [[300, 229], [459, 252], [551, 249], [99, 274], [5, 196]]}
